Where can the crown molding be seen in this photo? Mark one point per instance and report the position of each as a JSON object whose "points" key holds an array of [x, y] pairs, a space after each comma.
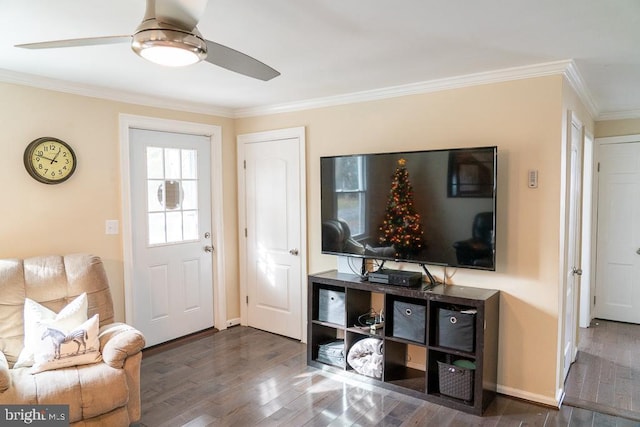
{"points": [[14, 77], [619, 115], [567, 68], [577, 83], [495, 76]]}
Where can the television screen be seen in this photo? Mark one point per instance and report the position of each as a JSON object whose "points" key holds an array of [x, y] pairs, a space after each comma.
{"points": [[430, 207]]}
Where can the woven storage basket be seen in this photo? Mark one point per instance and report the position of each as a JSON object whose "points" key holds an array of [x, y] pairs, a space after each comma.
{"points": [[455, 381]]}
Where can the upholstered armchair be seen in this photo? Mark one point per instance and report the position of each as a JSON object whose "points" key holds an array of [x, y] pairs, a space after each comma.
{"points": [[336, 237], [478, 250], [106, 393]]}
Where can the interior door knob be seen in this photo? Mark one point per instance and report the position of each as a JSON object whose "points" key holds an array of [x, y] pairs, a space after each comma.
{"points": [[638, 251], [208, 248], [294, 252]]}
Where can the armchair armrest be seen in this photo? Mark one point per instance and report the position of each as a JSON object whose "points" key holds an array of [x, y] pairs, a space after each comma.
{"points": [[119, 341], [5, 376]]}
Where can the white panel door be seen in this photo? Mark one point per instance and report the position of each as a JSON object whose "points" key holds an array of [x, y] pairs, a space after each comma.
{"points": [[618, 253], [573, 246], [171, 227], [273, 236]]}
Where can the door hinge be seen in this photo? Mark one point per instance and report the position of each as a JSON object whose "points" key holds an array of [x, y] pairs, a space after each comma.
{"points": [[247, 299], [245, 232], [244, 164], [594, 300], [598, 166]]}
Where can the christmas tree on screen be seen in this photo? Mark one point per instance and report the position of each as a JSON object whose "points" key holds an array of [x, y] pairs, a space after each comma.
{"points": [[401, 226]]}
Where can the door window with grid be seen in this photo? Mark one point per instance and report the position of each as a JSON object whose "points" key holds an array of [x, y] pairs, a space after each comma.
{"points": [[172, 195]]}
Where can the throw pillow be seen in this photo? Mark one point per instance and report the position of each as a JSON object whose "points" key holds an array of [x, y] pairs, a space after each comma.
{"points": [[71, 316], [5, 376], [61, 348]]}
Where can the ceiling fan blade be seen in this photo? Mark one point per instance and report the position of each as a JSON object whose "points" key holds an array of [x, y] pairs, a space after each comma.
{"points": [[184, 14], [233, 60], [90, 41]]}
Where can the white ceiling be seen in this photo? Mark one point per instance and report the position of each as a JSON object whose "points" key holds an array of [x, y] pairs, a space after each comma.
{"points": [[327, 49]]}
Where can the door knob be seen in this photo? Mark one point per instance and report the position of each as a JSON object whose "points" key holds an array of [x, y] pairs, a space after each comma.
{"points": [[294, 252], [638, 251], [208, 248], [576, 271]]}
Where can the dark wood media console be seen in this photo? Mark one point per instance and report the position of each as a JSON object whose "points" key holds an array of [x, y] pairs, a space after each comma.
{"points": [[442, 374]]}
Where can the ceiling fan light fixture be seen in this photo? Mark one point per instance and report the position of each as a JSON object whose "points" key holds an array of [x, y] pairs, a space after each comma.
{"points": [[169, 48]]}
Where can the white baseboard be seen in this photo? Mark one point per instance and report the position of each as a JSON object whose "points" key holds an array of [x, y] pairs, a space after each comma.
{"points": [[533, 397], [509, 391], [233, 322]]}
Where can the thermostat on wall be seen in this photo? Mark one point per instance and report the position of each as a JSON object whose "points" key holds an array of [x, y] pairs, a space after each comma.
{"points": [[533, 178]]}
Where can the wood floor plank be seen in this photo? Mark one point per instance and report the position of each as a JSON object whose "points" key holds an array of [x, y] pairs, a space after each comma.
{"points": [[245, 377], [607, 366]]}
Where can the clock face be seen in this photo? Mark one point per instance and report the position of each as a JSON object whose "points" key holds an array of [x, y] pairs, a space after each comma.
{"points": [[49, 160]]}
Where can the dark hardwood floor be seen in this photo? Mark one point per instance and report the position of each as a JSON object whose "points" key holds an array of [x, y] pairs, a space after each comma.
{"points": [[245, 377], [606, 374]]}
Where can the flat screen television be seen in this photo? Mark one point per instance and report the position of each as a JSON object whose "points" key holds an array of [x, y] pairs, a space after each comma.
{"points": [[435, 207]]}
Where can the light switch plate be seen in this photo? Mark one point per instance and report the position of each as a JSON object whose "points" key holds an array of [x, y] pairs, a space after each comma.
{"points": [[112, 226]]}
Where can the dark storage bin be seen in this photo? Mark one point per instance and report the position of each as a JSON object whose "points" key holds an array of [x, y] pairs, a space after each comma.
{"points": [[331, 306], [409, 321], [457, 329], [455, 381]]}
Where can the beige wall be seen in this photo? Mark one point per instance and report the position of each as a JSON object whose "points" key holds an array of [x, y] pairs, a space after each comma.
{"points": [[525, 120], [617, 128], [40, 219]]}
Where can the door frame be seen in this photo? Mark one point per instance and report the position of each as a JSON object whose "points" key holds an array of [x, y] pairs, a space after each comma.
{"points": [[214, 132], [589, 231], [625, 139], [265, 136], [565, 227]]}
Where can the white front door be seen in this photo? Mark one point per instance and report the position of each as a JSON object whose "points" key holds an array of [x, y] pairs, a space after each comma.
{"points": [[573, 244], [274, 268], [618, 239], [171, 234]]}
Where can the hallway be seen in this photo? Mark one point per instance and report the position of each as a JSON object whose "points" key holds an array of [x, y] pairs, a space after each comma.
{"points": [[606, 375]]}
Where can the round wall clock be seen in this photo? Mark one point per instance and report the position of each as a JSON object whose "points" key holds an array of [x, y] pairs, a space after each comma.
{"points": [[49, 160]]}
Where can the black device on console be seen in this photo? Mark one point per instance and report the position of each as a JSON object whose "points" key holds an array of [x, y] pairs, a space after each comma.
{"points": [[396, 277]]}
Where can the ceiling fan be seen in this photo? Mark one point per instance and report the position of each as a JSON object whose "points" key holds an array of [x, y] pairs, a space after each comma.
{"points": [[168, 36]]}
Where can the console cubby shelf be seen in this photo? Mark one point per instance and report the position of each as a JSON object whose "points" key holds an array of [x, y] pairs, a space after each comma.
{"points": [[418, 321]]}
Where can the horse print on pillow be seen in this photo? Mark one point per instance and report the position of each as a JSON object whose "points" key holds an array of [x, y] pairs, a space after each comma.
{"points": [[60, 347], [79, 336]]}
